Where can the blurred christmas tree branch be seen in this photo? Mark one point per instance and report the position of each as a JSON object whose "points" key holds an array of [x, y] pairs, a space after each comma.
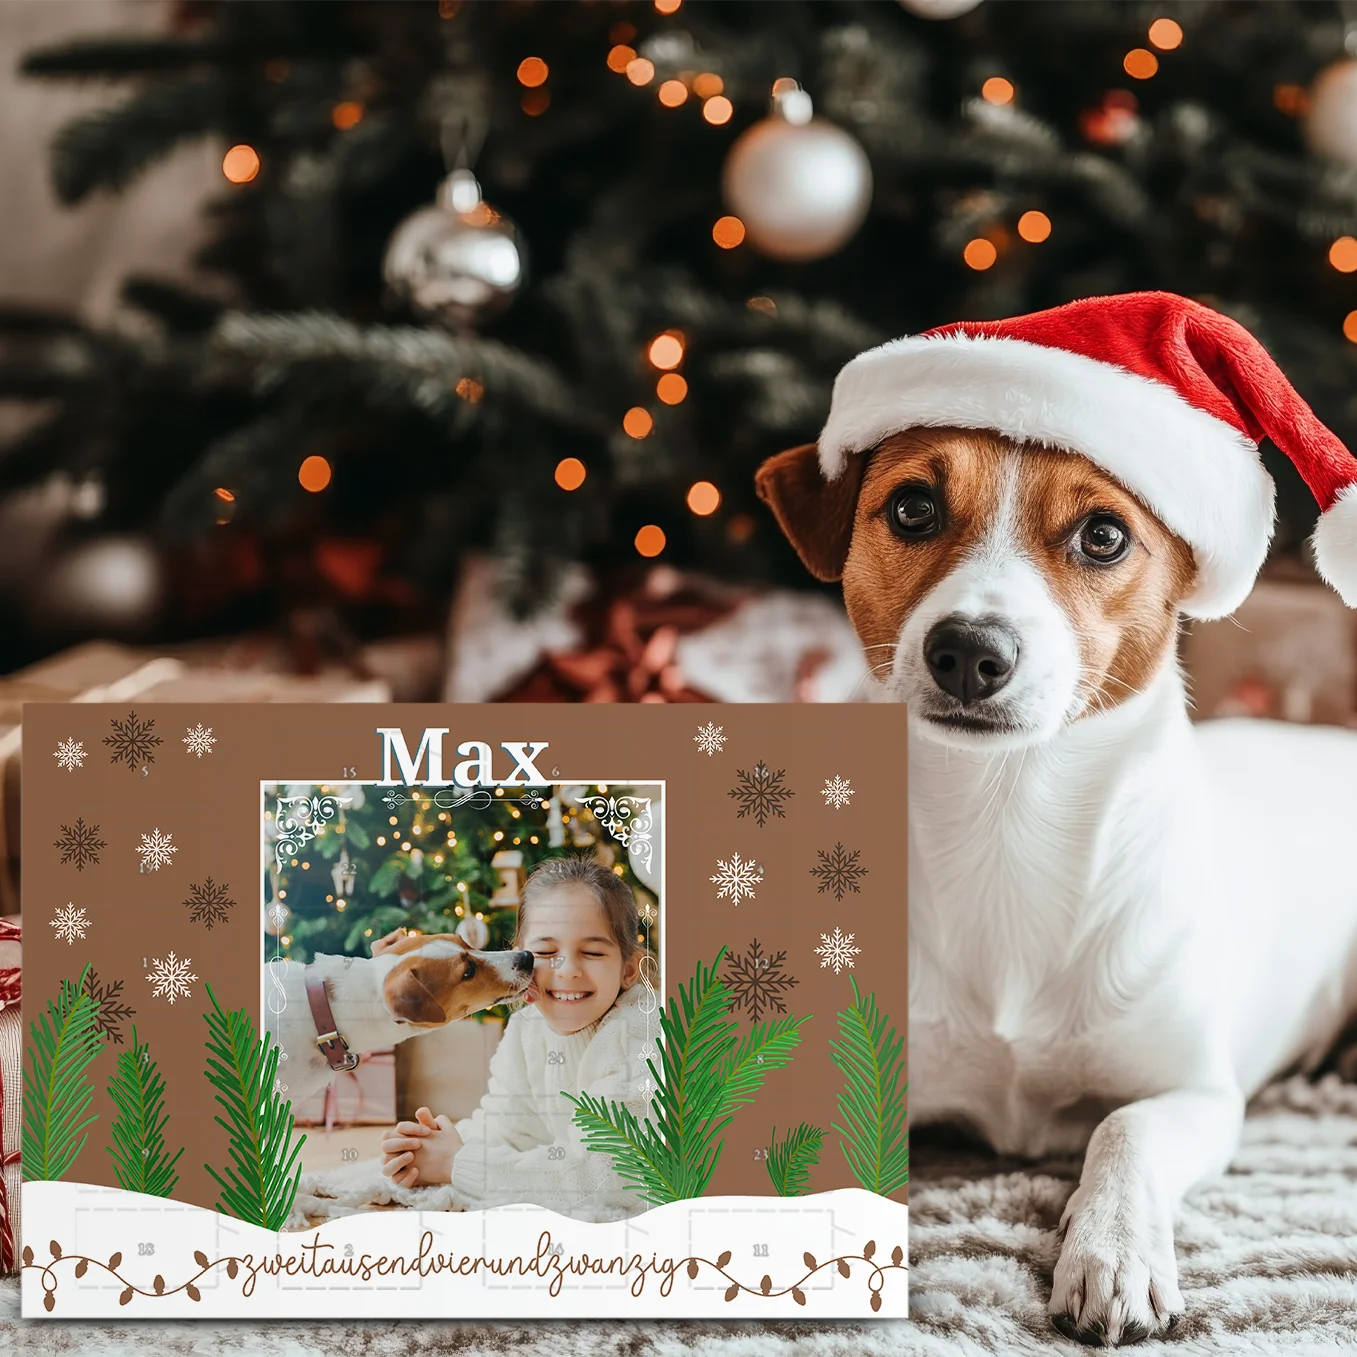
{"points": [[111, 146]]}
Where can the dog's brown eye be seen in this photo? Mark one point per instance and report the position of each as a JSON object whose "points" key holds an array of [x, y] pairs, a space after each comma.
{"points": [[470, 970], [1104, 539], [913, 513]]}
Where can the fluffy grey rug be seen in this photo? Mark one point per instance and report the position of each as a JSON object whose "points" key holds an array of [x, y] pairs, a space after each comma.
{"points": [[1268, 1256]]}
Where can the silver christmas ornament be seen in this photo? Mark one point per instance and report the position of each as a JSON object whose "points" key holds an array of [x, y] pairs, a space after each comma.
{"points": [[458, 262], [939, 9], [1331, 122], [108, 586], [801, 185]]}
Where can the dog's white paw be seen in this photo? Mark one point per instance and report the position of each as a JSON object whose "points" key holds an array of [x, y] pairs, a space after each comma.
{"points": [[1116, 1280]]}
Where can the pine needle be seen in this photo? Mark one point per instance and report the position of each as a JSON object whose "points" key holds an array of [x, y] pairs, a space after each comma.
{"points": [[705, 1074], [137, 1088], [64, 1042], [260, 1184], [791, 1159], [870, 1055]]}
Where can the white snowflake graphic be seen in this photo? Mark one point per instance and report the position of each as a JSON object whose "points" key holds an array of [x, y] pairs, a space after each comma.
{"points": [[736, 879], [709, 738], [70, 923], [169, 979], [837, 792], [70, 754], [199, 739], [156, 850], [836, 949]]}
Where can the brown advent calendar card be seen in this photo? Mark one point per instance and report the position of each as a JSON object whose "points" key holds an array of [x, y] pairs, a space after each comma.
{"points": [[502, 1010]]}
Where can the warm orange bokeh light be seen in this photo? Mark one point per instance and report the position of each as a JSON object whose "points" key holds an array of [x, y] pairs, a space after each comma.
{"points": [[704, 498], [347, 115], [1350, 326], [620, 57], [222, 493], [717, 110], [570, 473], [980, 253], [535, 102], [784, 84], [1034, 227], [668, 6], [708, 84], [240, 164], [650, 540], [997, 90], [469, 389], [532, 71], [1343, 254], [666, 350], [1293, 100], [673, 93], [314, 474], [637, 422], [728, 232], [1166, 34], [671, 388], [640, 71], [1140, 63]]}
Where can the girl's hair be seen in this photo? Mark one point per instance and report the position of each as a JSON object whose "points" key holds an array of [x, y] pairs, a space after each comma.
{"points": [[612, 893]]}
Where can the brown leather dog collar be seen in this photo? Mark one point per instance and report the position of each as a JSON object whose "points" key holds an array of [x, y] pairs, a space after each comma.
{"points": [[331, 1045]]}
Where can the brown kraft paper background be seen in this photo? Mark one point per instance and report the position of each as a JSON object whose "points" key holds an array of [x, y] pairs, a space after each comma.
{"points": [[212, 807]]}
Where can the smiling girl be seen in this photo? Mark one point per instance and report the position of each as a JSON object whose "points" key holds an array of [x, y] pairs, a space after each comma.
{"points": [[581, 1030]]}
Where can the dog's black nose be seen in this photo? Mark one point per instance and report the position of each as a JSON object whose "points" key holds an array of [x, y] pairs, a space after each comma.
{"points": [[524, 962], [970, 659]]}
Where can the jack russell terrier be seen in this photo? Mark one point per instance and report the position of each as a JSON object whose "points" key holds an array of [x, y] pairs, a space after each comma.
{"points": [[1121, 924], [338, 1007]]}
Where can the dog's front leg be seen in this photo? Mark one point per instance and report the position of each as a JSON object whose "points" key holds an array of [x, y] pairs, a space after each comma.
{"points": [[1116, 1280]]}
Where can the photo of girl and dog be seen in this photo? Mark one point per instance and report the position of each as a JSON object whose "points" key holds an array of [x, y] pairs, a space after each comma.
{"points": [[445, 969]]}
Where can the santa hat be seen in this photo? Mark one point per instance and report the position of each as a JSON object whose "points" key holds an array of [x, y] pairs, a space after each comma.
{"points": [[1166, 395]]}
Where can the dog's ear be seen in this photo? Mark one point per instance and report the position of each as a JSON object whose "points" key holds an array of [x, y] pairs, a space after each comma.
{"points": [[816, 514], [408, 996], [412, 942]]}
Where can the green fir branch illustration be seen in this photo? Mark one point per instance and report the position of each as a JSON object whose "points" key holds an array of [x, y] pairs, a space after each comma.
{"points": [[64, 1042], [260, 1184], [791, 1159], [870, 1056], [140, 1160], [705, 1075]]}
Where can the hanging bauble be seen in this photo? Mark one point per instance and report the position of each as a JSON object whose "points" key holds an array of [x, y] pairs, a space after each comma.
{"points": [[110, 586], [474, 931], [1331, 123], [801, 185], [344, 875], [939, 9], [458, 262]]}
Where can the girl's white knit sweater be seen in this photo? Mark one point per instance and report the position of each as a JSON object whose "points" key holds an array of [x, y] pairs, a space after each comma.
{"points": [[522, 1145]]}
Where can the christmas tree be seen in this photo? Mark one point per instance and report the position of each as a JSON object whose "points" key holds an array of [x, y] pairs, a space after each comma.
{"points": [[642, 282], [347, 864]]}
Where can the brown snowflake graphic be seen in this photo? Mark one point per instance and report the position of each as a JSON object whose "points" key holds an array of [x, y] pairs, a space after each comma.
{"points": [[79, 844]]}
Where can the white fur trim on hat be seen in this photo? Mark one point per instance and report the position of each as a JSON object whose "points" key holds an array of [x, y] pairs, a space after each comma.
{"points": [[1335, 545], [1202, 478]]}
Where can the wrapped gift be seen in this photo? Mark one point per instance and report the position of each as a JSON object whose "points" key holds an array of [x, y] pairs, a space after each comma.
{"points": [[1288, 653], [669, 637]]}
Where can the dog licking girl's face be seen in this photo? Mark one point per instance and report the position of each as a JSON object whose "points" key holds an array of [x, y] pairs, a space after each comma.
{"points": [[1003, 591]]}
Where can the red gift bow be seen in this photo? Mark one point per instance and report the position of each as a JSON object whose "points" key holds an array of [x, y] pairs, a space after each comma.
{"points": [[9, 994]]}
